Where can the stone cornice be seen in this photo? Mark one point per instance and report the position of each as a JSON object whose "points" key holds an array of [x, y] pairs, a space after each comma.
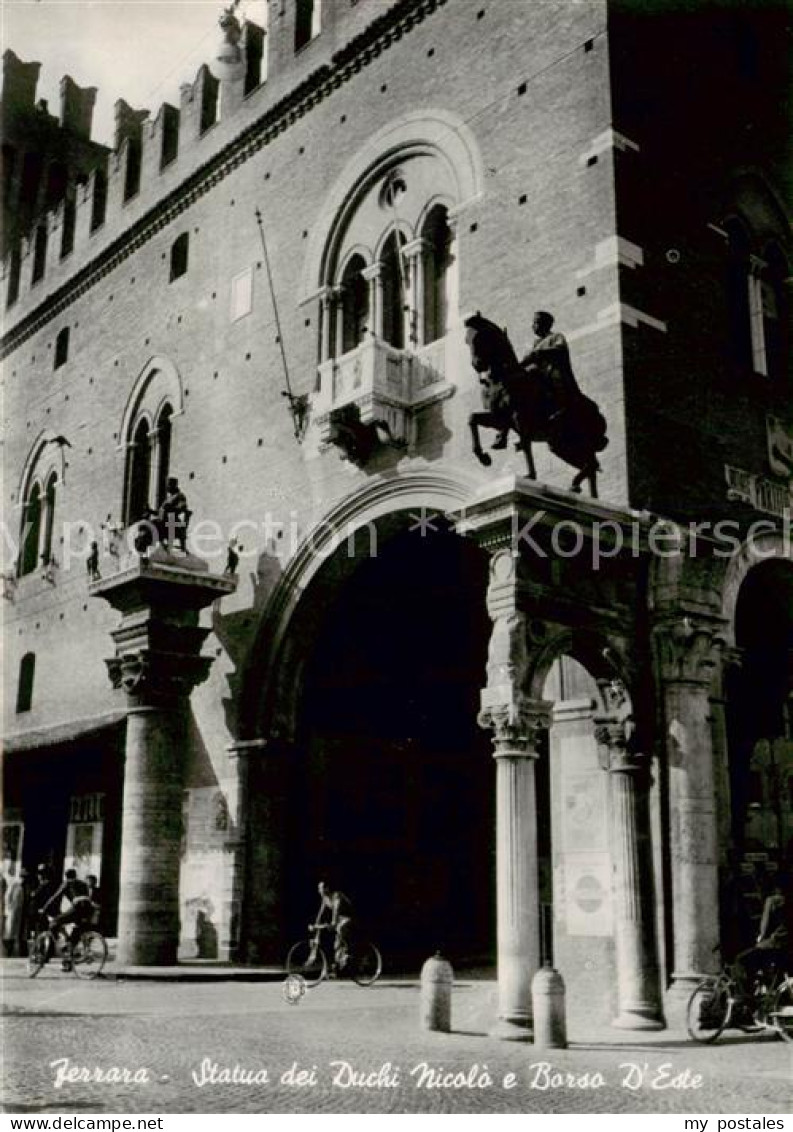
{"points": [[381, 34]]}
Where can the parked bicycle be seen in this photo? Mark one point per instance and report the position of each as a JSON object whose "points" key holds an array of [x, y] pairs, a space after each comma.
{"points": [[84, 953], [734, 998], [315, 962]]}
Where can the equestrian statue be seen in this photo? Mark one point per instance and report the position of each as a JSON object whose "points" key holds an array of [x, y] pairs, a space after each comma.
{"points": [[538, 398]]}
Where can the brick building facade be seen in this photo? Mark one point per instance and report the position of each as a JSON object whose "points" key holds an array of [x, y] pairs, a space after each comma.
{"points": [[401, 613]]}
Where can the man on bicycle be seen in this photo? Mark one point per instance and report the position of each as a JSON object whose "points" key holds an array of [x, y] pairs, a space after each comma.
{"points": [[80, 910], [335, 911]]}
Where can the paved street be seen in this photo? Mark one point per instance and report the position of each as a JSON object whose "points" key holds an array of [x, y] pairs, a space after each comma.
{"points": [[183, 1040]]}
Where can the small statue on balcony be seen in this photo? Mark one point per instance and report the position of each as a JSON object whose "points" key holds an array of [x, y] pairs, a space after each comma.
{"points": [[92, 563], [232, 557], [173, 516], [168, 524]]}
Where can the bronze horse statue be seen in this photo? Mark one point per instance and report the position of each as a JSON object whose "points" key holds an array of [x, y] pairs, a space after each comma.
{"points": [[518, 396]]}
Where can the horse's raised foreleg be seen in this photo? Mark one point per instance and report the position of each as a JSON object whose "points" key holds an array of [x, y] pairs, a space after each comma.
{"points": [[474, 422]]}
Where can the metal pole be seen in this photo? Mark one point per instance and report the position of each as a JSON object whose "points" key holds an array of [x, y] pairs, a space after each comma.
{"points": [[288, 394]]}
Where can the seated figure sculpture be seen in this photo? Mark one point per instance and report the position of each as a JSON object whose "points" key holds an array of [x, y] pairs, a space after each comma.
{"points": [[168, 524]]}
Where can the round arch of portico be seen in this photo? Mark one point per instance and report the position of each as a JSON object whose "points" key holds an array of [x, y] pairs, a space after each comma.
{"points": [[272, 683], [753, 552], [602, 657], [430, 131]]}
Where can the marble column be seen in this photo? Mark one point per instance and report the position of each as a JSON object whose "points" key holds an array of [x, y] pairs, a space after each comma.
{"points": [[157, 664], [414, 253], [373, 276], [327, 303], [236, 845], [638, 982], [516, 732], [269, 771], [687, 650], [517, 723]]}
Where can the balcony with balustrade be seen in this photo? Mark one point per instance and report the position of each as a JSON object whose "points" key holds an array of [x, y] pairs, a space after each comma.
{"points": [[384, 384]]}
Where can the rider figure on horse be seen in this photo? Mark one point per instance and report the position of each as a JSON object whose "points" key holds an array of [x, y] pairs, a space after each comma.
{"points": [[548, 363], [538, 397]]}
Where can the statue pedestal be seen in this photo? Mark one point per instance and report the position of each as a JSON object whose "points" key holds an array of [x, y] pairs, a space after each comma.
{"points": [[157, 663]]}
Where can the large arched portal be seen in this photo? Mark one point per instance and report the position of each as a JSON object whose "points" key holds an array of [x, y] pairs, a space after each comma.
{"points": [[760, 718], [396, 797]]}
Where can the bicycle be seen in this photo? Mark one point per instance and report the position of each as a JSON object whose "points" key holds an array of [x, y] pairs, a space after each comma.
{"points": [[724, 1000], [84, 953], [309, 959]]}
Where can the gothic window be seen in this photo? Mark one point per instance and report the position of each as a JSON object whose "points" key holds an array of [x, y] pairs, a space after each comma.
{"points": [[132, 173], [40, 252], [61, 348], [771, 332], [139, 473], [48, 519], [69, 223], [437, 264], [738, 277], [146, 434], [27, 671], [31, 531], [308, 21], [209, 101], [99, 202], [148, 464], [393, 285], [179, 256], [162, 450], [354, 304], [388, 272], [14, 273]]}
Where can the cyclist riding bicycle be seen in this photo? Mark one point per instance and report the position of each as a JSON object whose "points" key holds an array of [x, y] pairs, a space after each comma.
{"points": [[80, 910], [335, 912]]}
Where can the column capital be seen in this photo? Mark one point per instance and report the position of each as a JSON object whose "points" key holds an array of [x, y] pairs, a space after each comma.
{"points": [[688, 647], [151, 678], [373, 271], [414, 247], [517, 722]]}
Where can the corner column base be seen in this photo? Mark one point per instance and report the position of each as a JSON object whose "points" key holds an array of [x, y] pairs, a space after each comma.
{"points": [[638, 1020], [513, 1030], [677, 996]]}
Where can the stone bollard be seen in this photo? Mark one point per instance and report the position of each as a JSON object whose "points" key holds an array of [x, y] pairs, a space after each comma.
{"points": [[547, 995], [437, 977]]}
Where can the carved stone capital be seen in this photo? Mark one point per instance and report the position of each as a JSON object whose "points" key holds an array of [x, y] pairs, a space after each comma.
{"points": [[688, 648], [618, 747], [155, 678], [518, 725]]}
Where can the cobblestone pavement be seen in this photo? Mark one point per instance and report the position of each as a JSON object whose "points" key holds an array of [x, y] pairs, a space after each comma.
{"points": [[173, 1034]]}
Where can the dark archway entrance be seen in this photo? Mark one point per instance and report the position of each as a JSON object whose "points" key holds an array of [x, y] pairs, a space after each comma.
{"points": [[760, 732], [396, 802]]}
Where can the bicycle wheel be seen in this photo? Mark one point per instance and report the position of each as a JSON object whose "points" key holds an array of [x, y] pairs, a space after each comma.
{"points": [[366, 963], [781, 1014], [88, 955], [308, 960], [709, 1010], [39, 952]]}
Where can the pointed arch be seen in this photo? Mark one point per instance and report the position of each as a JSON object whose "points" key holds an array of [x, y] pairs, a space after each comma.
{"points": [[430, 132]]}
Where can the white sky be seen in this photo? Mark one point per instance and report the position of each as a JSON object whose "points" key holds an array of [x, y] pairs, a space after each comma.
{"points": [[140, 50]]}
